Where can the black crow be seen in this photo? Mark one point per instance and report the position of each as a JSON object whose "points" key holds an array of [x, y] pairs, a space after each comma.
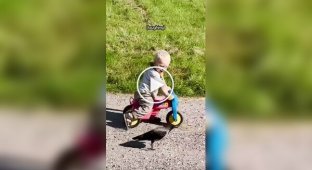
{"points": [[155, 134]]}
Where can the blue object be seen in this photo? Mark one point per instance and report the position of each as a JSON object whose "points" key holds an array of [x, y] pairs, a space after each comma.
{"points": [[174, 105], [216, 139]]}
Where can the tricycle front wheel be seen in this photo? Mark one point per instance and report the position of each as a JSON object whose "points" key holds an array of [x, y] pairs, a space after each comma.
{"points": [[170, 119]]}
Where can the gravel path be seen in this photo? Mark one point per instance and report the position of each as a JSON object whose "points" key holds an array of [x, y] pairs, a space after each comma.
{"points": [[182, 148], [31, 141]]}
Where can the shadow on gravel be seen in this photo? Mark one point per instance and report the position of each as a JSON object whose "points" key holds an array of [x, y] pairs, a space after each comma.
{"points": [[9, 163], [134, 144], [114, 118]]}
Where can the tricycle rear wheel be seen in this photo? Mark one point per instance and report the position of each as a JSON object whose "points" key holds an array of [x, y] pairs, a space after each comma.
{"points": [[128, 115]]}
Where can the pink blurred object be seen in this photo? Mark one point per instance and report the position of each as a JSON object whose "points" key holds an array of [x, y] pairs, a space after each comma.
{"points": [[91, 145]]}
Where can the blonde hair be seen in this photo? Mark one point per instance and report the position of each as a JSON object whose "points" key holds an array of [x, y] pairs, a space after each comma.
{"points": [[162, 56]]}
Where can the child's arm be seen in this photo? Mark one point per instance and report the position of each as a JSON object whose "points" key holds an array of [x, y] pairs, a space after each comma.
{"points": [[165, 89]]}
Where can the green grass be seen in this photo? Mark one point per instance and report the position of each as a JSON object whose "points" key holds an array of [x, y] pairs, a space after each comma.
{"points": [[259, 56], [130, 47], [74, 89]]}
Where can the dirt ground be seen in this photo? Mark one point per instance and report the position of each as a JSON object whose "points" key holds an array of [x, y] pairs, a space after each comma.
{"points": [[182, 148]]}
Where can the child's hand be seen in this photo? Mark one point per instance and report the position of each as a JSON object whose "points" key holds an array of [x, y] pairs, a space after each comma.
{"points": [[165, 90], [171, 97], [159, 98]]}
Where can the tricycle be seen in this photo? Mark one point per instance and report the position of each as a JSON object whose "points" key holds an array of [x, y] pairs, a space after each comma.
{"points": [[173, 117]]}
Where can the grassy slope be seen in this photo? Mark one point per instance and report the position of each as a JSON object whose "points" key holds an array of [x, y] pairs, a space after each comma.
{"points": [[130, 47]]}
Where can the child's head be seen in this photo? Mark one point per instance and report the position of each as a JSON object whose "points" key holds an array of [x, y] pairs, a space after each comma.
{"points": [[162, 59]]}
